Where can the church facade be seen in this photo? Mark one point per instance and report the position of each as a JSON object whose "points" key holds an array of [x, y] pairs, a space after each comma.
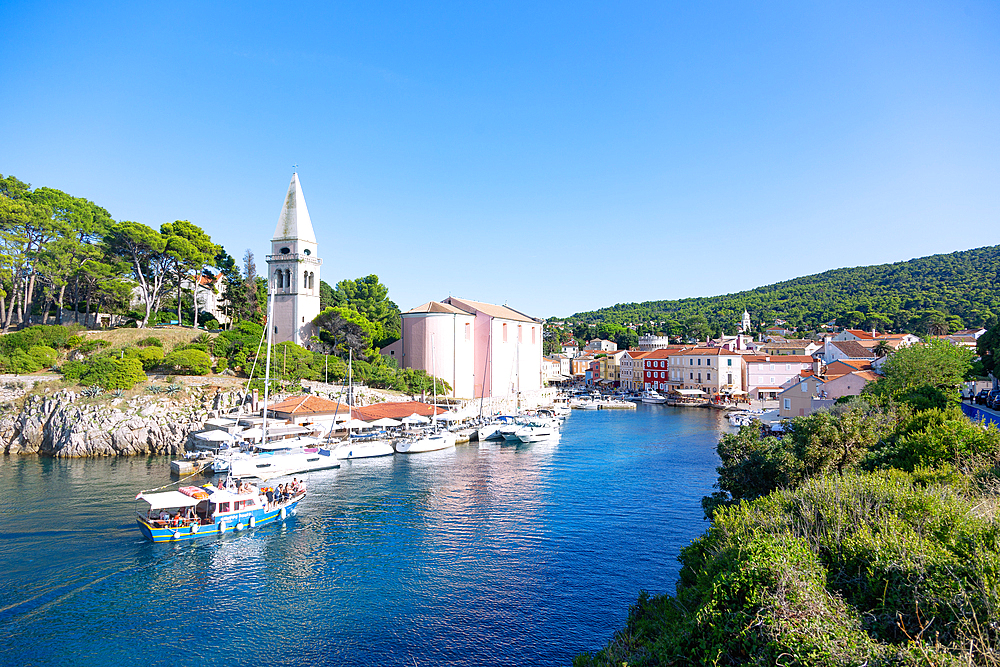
{"points": [[294, 270]]}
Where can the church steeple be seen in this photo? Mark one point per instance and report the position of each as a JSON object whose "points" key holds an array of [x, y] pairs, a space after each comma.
{"points": [[293, 270], [294, 222]]}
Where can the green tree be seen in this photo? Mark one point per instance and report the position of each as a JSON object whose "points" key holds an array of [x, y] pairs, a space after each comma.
{"points": [[370, 298], [144, 248], [347, 330], [189, 249], [988, 347], [935, 363]]}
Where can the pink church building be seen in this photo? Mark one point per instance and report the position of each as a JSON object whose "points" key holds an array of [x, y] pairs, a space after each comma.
{"points": [[480, 349]]}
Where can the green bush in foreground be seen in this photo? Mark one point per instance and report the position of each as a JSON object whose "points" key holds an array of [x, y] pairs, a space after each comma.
{"points": [[106, 372], [873, 568], [189, 361]]}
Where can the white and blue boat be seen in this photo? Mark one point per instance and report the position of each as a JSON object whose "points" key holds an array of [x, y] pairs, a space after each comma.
{"points": [[191, 512]]}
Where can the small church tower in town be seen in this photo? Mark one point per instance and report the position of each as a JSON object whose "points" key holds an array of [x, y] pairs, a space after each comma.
{"points": [[293, 270]]}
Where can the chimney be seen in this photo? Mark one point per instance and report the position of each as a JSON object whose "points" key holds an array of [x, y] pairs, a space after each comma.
{"points": [[817, 366]]}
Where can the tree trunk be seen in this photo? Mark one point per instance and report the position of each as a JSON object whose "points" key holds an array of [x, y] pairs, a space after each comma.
{"points": [[86, 313], [28, 297], [76, 300], [59, 311], [179, 320]]}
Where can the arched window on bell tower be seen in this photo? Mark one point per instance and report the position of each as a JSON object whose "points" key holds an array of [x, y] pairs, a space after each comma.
{"points": [[279, 283]]}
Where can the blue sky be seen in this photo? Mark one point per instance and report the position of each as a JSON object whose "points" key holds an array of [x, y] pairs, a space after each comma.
{"points": [[556, 157]]}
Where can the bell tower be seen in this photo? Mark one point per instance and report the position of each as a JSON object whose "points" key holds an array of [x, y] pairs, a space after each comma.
{"points": [[293, 270]]}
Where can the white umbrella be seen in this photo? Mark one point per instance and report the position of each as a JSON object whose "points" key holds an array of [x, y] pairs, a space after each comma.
{"points": [[252, 433], [415, 419], [386, 421], [214, 435], [353, 423], [449, 416]]}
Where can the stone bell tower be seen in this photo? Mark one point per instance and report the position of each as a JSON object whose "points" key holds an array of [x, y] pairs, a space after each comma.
{"points": [[293, 270]]}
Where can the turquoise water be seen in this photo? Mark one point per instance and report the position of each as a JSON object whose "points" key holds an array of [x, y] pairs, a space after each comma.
{"points": [[482, 555]]}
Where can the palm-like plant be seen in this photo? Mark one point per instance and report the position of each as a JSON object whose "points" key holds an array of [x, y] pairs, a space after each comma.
{"points": [[883, 348]]}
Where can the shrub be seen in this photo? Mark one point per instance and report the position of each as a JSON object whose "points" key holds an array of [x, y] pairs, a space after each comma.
{"points": [[150, 341], [846, 569], [93, 345], [221, 364], [106, 372], [45, 356], [189, 361], [149, 357], [212, 324]]}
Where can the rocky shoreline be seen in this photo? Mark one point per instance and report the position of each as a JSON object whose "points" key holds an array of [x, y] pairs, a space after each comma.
{"points": [[66, 424]]}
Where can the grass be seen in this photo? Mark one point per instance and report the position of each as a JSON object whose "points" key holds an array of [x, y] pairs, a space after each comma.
{"points": [[170, 335]]}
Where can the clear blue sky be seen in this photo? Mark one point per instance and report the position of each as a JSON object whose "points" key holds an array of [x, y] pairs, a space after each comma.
{"points": [[557, 157]]}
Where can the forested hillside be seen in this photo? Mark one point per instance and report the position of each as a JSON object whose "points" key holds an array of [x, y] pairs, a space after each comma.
{"points": [[925, 295]]}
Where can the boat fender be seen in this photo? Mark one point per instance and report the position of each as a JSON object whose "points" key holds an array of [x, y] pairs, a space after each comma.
{"points": [[253, 522], [283, 513], [177, 534], [194, 528], [222, 528], [239, 526]]}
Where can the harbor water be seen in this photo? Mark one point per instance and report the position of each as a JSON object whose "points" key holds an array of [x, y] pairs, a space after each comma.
{"points": [[486, 554]]}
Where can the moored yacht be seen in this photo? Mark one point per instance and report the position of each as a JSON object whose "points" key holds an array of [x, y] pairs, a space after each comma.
{"points": [[652, 396], [430, 441]]}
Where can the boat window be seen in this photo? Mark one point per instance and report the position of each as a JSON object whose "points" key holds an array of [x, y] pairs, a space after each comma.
{"points": [[223, 507]]}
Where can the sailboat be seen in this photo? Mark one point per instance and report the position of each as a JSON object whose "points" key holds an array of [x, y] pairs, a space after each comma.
{"points": [[363, 445], [435, 439], [277, 458]]}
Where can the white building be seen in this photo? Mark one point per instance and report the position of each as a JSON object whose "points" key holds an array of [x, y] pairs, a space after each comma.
{"points": [[293, 270], [647, 343]]}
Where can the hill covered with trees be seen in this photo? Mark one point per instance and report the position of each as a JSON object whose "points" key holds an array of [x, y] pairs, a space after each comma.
{"points": [[934, 294]]}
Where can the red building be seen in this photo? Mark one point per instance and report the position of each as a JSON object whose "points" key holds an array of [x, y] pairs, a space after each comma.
{"points": [[654, 367]]}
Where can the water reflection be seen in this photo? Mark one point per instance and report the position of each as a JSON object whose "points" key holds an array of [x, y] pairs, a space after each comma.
{"points": [[482, 554]]}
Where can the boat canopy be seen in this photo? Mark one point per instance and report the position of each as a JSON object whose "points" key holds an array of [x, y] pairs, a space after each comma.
{"points": [[290, 443], [214, 435], [690, 392], [168, 499]]}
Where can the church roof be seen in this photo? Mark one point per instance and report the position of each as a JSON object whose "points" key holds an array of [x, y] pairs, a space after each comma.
{"points": [[294, 222], [436, 307], [501, 312]]}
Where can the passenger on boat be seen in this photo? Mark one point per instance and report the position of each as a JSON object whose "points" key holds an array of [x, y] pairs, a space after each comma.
{"points": [[269, 493]]}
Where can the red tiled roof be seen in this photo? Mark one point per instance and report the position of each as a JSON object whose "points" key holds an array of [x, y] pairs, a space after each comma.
{"points": [[861, 333], [394, 410], [783, 358], [852, 349], [308, 405]]}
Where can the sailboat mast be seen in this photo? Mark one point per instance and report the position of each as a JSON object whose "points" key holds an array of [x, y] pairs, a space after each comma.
{"points": [[486, 363], [267, 369], [435, 383]]}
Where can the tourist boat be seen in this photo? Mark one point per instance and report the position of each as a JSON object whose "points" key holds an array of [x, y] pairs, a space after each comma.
{"points": [[652, 396], [173, 516]]}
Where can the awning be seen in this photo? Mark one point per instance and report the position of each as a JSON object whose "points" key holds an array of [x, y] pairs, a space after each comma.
{"points": [[168, 499], [690, 392], [214, 435], [386, 421]]}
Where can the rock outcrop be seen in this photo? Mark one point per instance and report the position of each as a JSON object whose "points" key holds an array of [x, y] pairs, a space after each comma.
{"points": [[65, 425]]}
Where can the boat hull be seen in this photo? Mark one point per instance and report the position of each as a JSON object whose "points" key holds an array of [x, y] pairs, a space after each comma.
{"points": [[364, 450], [225, 524], [277, 465], [426, 444]]}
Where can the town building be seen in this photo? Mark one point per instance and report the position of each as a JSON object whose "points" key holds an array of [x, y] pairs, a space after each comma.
{"points": [[601, 345], [630, 370], [650, 342], [480, 349], [712, 370], [655, 368], [293, 270], [571, 348], [765, 374], [842, 350], [795, 348]]}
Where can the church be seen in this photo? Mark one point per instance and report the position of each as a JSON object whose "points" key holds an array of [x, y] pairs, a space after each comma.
{"points": [[293, 270]]}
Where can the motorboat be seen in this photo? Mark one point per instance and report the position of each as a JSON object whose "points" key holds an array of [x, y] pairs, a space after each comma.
{"points": [[535, 431], [430, 441], [191, 511], [652, 396], [363, 447], [283, 457]]}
